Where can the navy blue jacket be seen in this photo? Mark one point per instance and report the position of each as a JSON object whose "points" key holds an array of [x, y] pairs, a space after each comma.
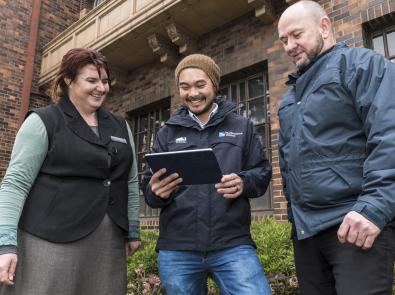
{"points": [[337, 140], [196, 217]]}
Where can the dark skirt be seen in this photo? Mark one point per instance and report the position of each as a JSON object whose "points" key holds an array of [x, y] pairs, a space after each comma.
{"points": [[94, 265]]}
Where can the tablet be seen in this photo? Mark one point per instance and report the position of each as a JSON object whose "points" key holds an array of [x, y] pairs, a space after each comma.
{"points": [[198, 166]]}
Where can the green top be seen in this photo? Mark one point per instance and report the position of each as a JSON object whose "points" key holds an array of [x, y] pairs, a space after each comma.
{"points": [[28, 154]]}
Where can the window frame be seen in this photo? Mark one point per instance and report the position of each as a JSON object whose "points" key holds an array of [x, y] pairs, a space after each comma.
{"points": [[134, 118], [244, 79], [98, 2], [384, 31]]}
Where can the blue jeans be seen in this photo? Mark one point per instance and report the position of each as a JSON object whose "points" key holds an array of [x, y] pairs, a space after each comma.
{"points": [[235, 270]]}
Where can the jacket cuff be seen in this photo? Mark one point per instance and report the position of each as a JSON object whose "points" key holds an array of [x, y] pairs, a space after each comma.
{"points": [[8, 237], [248, 189], [7, 249], [156, 201], [132, 240], [134, 230], [371, 213]]}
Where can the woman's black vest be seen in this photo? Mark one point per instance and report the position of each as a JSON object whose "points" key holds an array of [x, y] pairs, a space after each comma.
{"points": [[82, 177]]}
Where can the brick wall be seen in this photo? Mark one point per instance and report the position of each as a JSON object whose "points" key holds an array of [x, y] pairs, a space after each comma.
{"points": [[13, 43], [242, 42], [15, 27], [239, 44], [347, 17], [144, 86], [55, 17]]}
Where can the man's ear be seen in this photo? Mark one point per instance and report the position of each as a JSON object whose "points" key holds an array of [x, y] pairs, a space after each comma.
{"points": [[325, 27]]}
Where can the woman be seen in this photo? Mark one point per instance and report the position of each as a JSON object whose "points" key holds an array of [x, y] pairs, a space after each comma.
{"points": [[71, 188]]}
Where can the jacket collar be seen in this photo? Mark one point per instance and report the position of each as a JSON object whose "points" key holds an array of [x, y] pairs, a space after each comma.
{"points": [[294, 76], [182, 118], [78, 125]]}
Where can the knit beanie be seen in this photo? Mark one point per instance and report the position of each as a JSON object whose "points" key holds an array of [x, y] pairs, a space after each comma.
{"points": [[202, 62]]}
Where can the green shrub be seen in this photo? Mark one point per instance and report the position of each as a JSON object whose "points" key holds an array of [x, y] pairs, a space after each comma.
{"points": [[142, 270], [274, 249], [146, 256]]}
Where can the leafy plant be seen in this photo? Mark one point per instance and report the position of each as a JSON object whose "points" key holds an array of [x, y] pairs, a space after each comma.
{"points": [[142, 270], [274, 249]]}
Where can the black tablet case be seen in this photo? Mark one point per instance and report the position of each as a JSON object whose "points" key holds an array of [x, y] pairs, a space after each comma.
{"points": [[194, 166]]}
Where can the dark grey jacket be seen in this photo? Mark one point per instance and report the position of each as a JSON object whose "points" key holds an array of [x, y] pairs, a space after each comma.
{"points": [[196, 217], [337, 140], [82, 178]]}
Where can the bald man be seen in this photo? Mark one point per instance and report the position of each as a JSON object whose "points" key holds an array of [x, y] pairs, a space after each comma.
{"points": [[337, 158]]}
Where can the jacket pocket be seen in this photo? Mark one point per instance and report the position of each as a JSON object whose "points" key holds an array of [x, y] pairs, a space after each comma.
{"points": [[285, 115], [327, 78], [327, 101], [227, 141], [229, 153], [324, 187]]}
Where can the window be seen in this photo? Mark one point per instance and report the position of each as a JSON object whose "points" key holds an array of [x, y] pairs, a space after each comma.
{"points": [[383, 42], [87, 5], [251, 97], [97, 2], [145, 123], [380, 35]]}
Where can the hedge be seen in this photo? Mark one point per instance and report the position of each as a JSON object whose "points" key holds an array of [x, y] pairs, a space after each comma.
{"points": [[274, 249]]}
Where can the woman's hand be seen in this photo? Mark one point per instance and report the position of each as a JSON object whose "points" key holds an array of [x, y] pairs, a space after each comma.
{"points": [[132, 247], [7, 268]]}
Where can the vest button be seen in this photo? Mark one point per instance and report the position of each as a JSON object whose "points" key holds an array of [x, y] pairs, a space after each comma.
{"points": [[111, 201], [107, 183]]}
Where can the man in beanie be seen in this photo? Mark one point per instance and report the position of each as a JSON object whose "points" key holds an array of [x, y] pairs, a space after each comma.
{"points": [[205, 229]]}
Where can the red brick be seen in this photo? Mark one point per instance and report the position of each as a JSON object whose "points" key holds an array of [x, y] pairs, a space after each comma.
{"points": [[251, 41], [55, 17]]}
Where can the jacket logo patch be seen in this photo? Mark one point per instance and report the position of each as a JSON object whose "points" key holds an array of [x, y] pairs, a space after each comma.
{"points": [[181, 140], [229, 134]]}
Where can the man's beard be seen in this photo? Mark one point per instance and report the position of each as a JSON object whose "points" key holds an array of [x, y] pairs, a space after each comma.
{"points": [[200, 97], [312, 55]]}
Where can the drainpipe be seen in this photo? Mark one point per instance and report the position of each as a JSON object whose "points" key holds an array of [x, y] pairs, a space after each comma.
{"points": [[29, 66]]}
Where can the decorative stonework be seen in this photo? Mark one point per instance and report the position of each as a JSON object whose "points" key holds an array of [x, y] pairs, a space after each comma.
{"points": [[85, 7], [290, 2], [264, 10], [118, 78], [183, 39], [162, 47]]}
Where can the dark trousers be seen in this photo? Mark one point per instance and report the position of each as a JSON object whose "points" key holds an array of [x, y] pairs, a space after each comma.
{"points": [[324, 266]]}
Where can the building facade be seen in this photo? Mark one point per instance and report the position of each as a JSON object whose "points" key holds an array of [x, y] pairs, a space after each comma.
{"points": [[144, 40]]}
